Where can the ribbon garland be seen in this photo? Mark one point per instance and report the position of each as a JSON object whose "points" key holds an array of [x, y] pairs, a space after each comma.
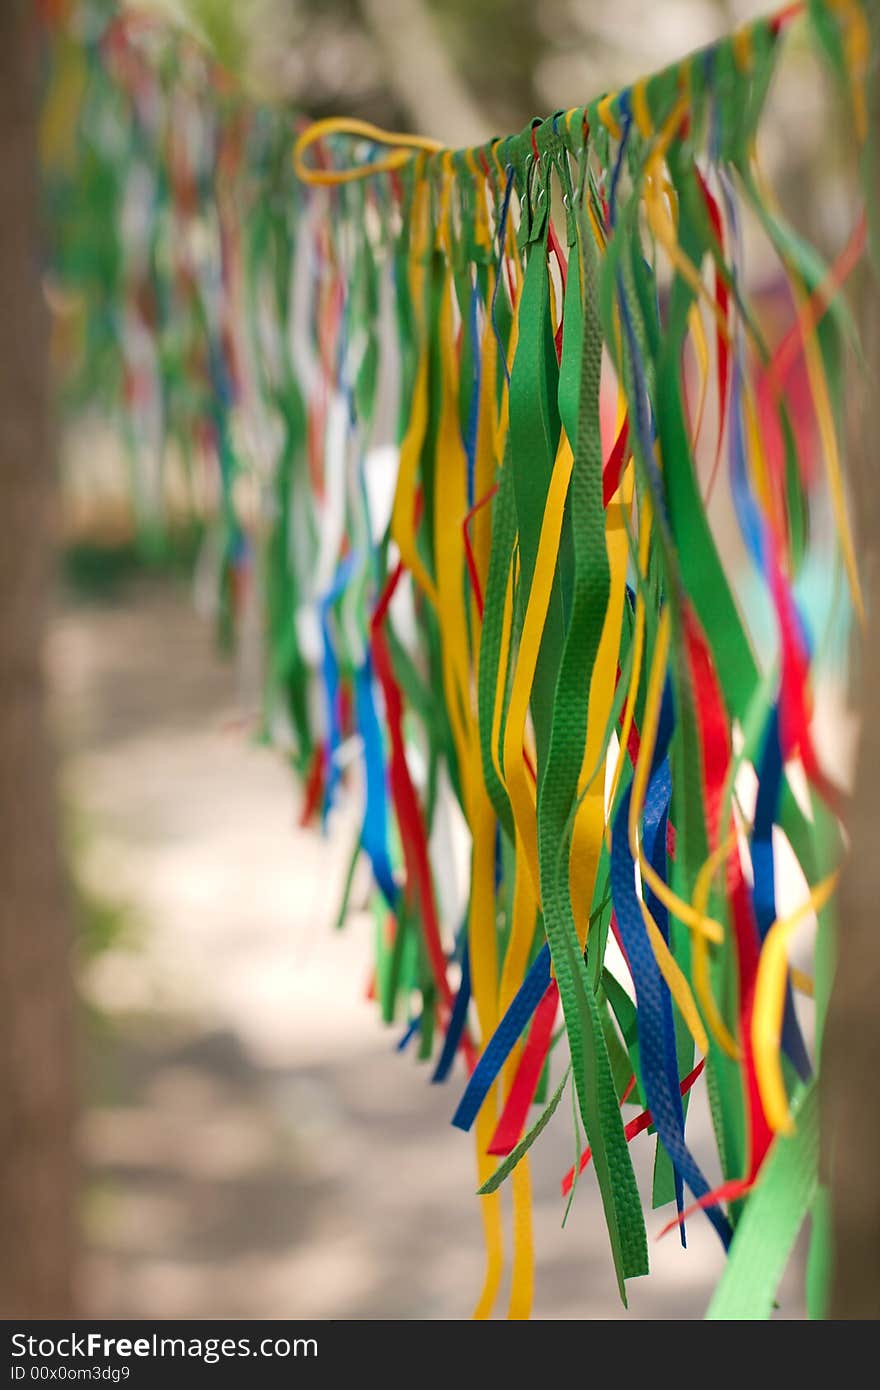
{"points": [[462, 415]]}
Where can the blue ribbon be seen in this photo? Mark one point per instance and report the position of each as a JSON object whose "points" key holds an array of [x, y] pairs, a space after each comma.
{"points": [[457, 1021], [504, 1039], [769, 772], [656, 1044], [374, 834], [654, 827], [412, 1028]]}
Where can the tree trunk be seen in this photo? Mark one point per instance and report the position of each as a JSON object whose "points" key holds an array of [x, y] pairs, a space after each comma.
{"points": [[851, 1070], [851, 1106], [36, 1061]]}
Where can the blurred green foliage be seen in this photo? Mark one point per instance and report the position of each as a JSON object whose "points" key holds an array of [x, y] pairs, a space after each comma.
{"points": [[92, 570]]}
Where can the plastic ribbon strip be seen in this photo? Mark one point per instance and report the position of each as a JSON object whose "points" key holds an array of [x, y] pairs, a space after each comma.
{"points": [[517, 460]]}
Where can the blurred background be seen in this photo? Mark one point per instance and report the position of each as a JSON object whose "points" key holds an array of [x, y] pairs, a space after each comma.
{"points": [[249, 1142]]}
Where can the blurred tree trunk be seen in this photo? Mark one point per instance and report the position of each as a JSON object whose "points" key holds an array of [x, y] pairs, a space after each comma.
{"points": [[851, 1098], [36, 1063]]}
